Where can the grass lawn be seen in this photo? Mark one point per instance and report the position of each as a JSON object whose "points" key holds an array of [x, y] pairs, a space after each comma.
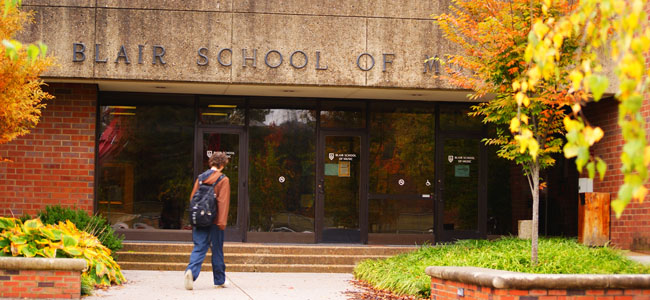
{"points": [[404, 274]]}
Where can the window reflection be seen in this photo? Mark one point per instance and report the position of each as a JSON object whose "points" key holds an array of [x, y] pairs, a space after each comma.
{"points": [[338, 114], [460, 180], [402, 160], [282, 156], [221, 111], [455, 117], [401, 216], [145, 164], [402, 153]]}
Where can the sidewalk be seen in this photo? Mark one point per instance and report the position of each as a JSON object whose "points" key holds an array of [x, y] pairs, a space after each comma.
{"points": [[149, 285], [643, 258]]}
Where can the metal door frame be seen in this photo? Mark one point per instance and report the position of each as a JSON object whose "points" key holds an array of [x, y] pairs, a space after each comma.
{"points": [[442, 235], [363, 180], [233, 233]]}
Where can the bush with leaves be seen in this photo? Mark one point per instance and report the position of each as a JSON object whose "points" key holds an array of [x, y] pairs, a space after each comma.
{"points": [[96, 225], [65, 240]]}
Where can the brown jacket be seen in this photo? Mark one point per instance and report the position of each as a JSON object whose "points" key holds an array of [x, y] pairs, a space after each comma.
{"points": [[222, 189]]}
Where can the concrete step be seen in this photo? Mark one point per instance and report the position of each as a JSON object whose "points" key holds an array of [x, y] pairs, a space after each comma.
{"points": [[319, 249], [247, 258], [280, 268]]}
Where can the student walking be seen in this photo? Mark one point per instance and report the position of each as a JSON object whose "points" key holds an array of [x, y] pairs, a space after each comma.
{"points": [[211, 236]]}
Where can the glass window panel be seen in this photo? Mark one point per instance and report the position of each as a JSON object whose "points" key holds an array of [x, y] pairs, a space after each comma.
{"points": [[400, 216], [221, 111], [454, 117], [339, 114], [341, 184], [282, 156], [228, 143], [145, 164], [499, 199], [402, 152], [460, 184]]}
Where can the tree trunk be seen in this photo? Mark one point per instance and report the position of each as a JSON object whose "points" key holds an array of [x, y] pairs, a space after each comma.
{"points": [[535, 192]]}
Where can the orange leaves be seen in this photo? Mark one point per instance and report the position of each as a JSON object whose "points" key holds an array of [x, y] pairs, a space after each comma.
{"points": [[20, 87]]}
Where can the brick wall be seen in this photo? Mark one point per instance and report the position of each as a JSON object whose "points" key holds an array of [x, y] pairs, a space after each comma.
{"points": [[449, 290], [40, 284], [55, 163]]}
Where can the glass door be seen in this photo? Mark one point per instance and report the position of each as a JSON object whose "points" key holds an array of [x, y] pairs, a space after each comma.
{"points": [[231, 142], [341, 195], [461, 189]]}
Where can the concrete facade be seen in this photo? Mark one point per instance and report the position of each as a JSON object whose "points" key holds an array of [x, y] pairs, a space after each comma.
{"points": [[338, 44]]}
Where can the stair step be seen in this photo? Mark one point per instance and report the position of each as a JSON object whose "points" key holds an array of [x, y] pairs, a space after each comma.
{"points": [[273, 249], [280, 268], [247, 258]]}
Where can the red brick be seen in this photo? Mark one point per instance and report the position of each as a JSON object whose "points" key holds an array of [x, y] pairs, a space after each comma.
{"points": [[633, 292], [595, 292], [519, 292], [501, 292], [64, 125], [557, 292], [614, 292], [538, 292]]}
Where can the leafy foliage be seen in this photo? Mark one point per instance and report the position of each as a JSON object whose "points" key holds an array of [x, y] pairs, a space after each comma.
{"points": [[32, 238], [611, 31], [20, 88], [404, 274], [95, 225]]}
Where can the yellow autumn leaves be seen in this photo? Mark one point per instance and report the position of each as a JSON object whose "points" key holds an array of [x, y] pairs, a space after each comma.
{"points": [[615, 30]]}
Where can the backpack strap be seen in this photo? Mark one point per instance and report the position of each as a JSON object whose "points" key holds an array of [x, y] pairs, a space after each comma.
{"points": [[204, 176], [218, 179]]}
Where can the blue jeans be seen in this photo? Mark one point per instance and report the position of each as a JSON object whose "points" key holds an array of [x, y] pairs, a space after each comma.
{"points": [[203, 238]]}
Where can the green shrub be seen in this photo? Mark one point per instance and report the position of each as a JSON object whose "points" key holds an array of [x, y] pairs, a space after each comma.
{"points": [[25, 217], [96, 225], [404, 274], [87, 285], [33, 238]]}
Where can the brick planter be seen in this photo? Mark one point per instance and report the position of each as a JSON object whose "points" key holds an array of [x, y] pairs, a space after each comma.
{"points": [[59, 278], [479, 283]]}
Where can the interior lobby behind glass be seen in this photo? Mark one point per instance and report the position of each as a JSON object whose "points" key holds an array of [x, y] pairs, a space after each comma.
{"points": [[145, 163]]}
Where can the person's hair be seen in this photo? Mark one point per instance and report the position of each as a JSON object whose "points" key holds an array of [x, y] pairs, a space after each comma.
{"points": [[218, 159]]}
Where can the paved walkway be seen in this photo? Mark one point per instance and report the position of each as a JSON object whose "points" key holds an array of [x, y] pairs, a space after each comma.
{"points": [[149, 285], [643, 258]]}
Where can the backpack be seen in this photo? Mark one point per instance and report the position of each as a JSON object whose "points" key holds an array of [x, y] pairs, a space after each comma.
{"points": [[203, 206]]}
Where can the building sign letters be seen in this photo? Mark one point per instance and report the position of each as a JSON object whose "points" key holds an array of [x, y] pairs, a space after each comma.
{"points": [[223, 57]]}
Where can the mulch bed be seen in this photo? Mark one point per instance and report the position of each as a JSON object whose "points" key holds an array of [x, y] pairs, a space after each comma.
{"points": [[366, 291]]}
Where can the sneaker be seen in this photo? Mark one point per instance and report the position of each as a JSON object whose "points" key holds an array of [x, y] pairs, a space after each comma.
{"points": [[226, 284], [188, 280]]}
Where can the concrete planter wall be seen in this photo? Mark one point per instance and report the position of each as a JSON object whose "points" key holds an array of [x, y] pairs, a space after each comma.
{"points": [[480, 283], [50, 278]]}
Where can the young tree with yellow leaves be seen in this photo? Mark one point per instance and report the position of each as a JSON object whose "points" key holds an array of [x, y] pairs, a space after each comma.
{"points": [[610, 31], [493, 35], [21, 96]]}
